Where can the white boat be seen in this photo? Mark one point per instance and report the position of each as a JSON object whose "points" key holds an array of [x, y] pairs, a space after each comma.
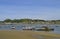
{"points": [[27, 28], [13, 27]]}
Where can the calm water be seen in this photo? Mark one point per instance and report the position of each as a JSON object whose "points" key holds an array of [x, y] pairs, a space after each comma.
{"points": [[20, 26]]}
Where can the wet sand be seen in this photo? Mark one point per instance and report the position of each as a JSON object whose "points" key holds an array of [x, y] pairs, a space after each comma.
{"points": [[13, 34]]}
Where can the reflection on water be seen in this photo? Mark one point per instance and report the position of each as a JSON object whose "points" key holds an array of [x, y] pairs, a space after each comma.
{"points": [[20, 26]]}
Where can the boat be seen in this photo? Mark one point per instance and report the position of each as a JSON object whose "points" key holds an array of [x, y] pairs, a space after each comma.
{"points": [[13, 27], [27, 28], [44, 29], [57, 26]]}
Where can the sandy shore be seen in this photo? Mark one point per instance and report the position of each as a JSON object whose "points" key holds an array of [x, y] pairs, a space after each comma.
{"points": [[27, 35]]}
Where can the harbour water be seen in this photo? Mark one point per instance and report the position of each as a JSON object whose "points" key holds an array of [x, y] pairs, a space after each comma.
{"points": [[20, 26]]}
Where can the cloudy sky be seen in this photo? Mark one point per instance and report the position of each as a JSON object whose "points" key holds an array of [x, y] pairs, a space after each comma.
{"points": [[34, 9]]}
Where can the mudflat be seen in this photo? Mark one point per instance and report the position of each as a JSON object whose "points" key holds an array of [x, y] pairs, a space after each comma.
{"points": [[14, 34]]}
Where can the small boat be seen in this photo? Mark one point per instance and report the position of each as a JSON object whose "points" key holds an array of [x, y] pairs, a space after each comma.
{"points": [[44, 28], [57, 26], [13, 27], [27, 28]]}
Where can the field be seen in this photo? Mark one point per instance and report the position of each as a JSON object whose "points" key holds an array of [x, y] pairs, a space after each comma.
{"points": [[13, 34]]}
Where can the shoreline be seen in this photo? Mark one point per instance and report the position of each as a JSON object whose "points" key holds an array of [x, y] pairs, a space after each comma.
{"points": [[14, 34]]}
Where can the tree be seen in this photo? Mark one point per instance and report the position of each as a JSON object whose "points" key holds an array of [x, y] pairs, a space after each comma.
{"points": [[15, 21], [7, 20]]}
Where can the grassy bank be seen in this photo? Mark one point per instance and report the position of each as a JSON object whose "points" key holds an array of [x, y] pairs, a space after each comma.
{"points": [[27, 35]]}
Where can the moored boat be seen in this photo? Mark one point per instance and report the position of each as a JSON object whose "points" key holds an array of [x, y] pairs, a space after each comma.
{"points": [[13, 27]]}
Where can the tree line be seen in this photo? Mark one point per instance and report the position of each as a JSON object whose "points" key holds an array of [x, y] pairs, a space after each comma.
{"points": [[30, 21], [22, 20]]}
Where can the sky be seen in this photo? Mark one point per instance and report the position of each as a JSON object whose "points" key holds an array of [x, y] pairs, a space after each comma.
{"points": [[33, 9]]}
